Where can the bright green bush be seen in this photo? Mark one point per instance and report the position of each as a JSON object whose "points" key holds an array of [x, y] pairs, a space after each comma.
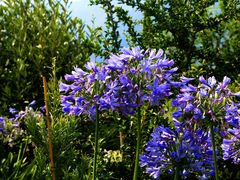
{"points": [[33, 34]]}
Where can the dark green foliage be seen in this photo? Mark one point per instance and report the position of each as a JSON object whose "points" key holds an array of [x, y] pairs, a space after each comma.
{"points": [[111, 41], [25, 153], [205, 32], [33, 34]]}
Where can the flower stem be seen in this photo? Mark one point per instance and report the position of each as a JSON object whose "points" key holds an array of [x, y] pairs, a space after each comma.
{"points": [[138, 143], [49, 125], [121, 139], [214, 152], [96, 144], [176, 176]]}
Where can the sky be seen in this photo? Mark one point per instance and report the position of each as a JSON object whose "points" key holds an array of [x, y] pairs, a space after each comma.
{"points": [[82, 9]]}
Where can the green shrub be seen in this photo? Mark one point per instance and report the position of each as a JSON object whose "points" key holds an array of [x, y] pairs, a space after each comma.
{"points": [[33, 34]]}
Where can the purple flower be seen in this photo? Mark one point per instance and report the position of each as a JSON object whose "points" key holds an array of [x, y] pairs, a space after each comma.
{"points": [[8, 124], [64, 87], [197, 113], [225, 82], [153, 54], [115, 63], [2, 124], [78, 72], [232, 115], [123, 83], [137, 53], [1, 119], [237, 94], [212, 81], [189, 107], [13, 110], [203, 80], [188, 150], [69, 77], [34, 102], [147, 67], [164, 63], [177, 114], [210, 100], [231, 146], [92, 66], [188, 89], [186, 80], [186, 97]]}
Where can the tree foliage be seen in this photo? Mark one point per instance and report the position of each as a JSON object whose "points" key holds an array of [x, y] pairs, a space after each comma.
{"points": [[202, 33], [35, 37]]}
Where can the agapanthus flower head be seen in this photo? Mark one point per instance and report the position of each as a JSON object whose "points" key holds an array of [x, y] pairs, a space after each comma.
{"points": [[143, 72], [231, 146], [81, 95], [125, 81], [181, 148], [212, 105], [210, 100]]}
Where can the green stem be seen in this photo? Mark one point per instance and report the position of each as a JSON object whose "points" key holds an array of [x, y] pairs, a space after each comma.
{"points": [[96, 144], [176, 176], [214, 152], [138, 144]]}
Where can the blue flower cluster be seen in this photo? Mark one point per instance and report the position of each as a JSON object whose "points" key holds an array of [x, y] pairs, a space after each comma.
{"points": [[16, 116], [231, 142], [122, 83], [231, 146], [212, 101], [189, 145], [205, 103], [180, 150]]}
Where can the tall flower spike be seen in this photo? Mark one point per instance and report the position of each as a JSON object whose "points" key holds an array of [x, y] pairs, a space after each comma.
{"points": [[126, 82]]}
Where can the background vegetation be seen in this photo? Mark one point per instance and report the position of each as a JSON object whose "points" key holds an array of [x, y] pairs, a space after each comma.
{"points": [[196, 32], [35, 36]]}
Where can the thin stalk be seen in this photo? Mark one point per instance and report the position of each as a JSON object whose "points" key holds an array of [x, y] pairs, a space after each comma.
{"points": [[135, 176], [49, 129], [121, 136], [121, 139], [214, 153], [96, 144], [176, 176]]}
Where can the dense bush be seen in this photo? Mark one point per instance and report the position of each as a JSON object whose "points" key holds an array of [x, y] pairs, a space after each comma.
{"points": [[35, 37]]}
